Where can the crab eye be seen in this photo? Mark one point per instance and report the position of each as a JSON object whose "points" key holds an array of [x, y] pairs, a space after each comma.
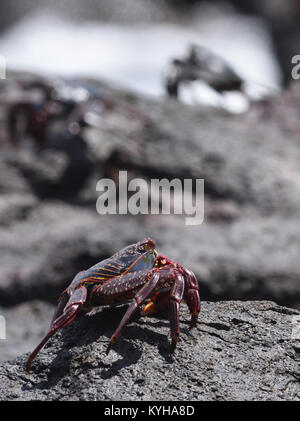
{"points": [[147, 244]]}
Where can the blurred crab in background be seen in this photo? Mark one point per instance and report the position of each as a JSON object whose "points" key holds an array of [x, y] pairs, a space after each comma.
{"points": [[202, 65], [135, 273], [34, 104]]}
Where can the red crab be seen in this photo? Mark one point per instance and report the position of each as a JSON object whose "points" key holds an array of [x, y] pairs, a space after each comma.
{"points": [[136, 272]]}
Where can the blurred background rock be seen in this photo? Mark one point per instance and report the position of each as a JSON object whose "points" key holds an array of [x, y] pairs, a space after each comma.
{"points": [[248, 246], [131, 45], [280, 18]]}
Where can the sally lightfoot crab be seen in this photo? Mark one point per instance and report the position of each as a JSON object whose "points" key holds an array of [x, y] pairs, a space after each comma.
{"points": [[136, 272]]}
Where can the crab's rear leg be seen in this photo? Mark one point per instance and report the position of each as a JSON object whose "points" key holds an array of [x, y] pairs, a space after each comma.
{"points": [[69, 313], [64, 298]]}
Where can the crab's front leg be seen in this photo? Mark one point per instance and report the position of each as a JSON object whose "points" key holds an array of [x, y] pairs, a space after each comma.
{"points": [[191, 291], [175, 298], [185, 286], [191, 294]]}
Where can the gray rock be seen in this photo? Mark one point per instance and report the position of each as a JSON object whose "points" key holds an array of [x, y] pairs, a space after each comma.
{"points": [[240, 157], [25, 325], [249, 258], [15, 207], [238, 351]]}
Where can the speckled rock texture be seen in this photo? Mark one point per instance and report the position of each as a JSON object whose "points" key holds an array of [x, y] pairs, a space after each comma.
{"points": [[238, 351]]}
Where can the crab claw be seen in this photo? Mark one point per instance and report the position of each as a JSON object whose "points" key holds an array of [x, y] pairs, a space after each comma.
{"points": [[62, 317]]}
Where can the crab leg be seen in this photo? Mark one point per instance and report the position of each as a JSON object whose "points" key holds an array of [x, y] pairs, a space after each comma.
{"points": [[69, 313], [64, 298], [157, 303], [139, 298], [62, 301], [176, 295], [118, 287], [192, 295]]}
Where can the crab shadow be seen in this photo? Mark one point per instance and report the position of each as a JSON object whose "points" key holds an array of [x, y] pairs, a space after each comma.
{"points": [[77, 342]]}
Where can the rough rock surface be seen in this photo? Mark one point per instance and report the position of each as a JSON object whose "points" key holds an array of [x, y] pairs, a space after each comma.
{"points": [[238, 351]]}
